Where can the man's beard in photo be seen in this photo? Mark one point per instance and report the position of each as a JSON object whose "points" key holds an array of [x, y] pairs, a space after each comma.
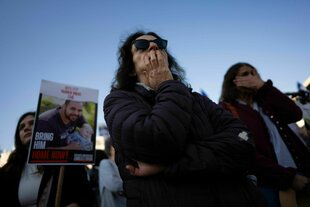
{"points": [[67, 115]]}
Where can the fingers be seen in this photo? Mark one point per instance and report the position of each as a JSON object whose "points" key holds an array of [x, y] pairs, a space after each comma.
{"points": [[162, 60], [153, 59], [150, 60], [240, 81], [245, 81], [156, 68], [132, 170], [254, 82], [156, 60]]}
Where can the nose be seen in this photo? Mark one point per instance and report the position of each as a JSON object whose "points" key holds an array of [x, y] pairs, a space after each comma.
{"points": [[28, 127], [153, 46]]}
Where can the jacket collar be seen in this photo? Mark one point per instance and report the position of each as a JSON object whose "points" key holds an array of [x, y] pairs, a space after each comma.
{"points": [[146, 92]]}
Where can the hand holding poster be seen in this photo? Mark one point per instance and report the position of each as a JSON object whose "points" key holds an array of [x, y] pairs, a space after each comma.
{"points": [[65, 125]]}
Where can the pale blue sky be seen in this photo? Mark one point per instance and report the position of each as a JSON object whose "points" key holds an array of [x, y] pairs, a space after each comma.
{"points": [[75, 42]]}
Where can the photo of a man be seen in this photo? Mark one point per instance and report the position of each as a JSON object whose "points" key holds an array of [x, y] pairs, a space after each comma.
{"points": [[60, 122], [65, 125]]}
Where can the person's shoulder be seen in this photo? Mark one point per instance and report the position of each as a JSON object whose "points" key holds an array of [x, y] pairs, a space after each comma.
{"points": [[120, 95], [199, 97], [104, 163], [49, 114]]}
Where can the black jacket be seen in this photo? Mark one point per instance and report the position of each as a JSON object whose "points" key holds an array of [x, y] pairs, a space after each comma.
{"points": [[207, 152], [75, 187]]}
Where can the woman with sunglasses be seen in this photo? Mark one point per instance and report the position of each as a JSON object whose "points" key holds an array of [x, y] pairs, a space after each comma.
{"points": [[173, 146], [31, 185]]}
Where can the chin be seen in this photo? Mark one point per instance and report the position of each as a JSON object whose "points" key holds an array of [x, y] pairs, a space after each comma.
{"points": [[26, 141], [73, 118]]}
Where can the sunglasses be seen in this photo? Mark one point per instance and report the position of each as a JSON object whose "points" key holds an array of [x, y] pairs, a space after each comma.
{"points": [[142, 44]]}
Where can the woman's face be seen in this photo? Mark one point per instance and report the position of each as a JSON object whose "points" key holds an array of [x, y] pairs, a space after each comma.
{"points": [[142, 58], [25, 129], [246, 71], [244, 86]]}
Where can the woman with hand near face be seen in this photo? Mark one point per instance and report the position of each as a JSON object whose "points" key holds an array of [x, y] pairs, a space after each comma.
{"points": [[282, 162], [173, 146]]}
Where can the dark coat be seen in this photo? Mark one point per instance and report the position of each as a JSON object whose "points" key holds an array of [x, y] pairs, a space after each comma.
{"points": [[75, 187], [207, 152], [282, 111]]}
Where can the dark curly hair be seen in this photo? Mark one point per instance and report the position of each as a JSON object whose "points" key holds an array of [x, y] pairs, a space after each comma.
{"points": [[123, 78], [229, 89]]}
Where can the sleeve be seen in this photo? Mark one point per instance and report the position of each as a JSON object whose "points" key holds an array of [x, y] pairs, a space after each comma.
{"points": [[228, 151], [273, 173], [152, 133], [271, 99], [109, 177]]}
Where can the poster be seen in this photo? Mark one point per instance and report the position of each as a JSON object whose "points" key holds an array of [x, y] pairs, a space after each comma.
{"points": [[65, 125]]}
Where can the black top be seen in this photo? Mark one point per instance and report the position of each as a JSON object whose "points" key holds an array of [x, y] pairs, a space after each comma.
{"points": [[75, 187]]}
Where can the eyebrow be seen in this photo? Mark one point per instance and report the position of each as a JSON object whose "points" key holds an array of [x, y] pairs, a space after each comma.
{"points": [[22, 125], [247, 71]]}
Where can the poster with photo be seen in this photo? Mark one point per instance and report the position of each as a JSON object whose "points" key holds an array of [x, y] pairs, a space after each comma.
{"points": [[65, 125]]}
